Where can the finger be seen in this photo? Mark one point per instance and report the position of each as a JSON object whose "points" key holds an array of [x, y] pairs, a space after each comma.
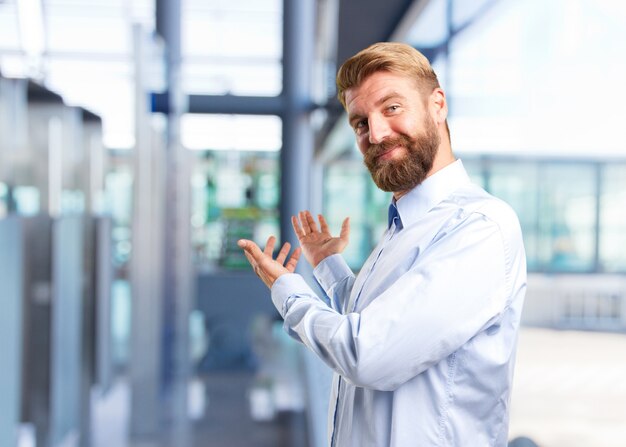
{"points": [[311, 222], [345, 229], [323, 224], [252, 261], [269, 246], [251, 248], [306, 229], [296, 227], [293, 260], [282, 254]]}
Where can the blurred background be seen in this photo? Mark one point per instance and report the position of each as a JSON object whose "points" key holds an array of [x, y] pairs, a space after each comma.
{"points": [[140, 139]]}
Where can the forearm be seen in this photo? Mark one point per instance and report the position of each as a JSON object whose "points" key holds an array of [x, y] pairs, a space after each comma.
{"points": [[336, 278]]}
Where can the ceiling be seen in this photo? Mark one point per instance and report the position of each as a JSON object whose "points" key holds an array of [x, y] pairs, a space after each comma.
{"points": [[229, 47]]}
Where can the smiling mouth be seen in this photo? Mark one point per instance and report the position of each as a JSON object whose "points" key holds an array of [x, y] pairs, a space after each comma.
{"points": [[387, 154]]}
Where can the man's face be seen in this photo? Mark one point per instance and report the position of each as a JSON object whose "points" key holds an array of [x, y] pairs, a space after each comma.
{"points": [[394, 130]]}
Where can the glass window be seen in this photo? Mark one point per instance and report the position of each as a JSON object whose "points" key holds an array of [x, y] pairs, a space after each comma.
{"points": [[431, 28], [27, 200], [566, 217], [4, 200], [517, 183], [119, 198], [474, 168], [104, 88], [235, 194], [232, 47], [556, 203], [9, 31], [217, 76], [231, 132], [347, 194], [516, 82], [613, 219]]}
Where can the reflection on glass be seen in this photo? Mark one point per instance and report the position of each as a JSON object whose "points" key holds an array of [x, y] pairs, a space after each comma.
{"points": [[232, 47], [349, 192], [119, 193], [27, 200], [557, 203], [567, 217], [517, 183], [231, 132], [235, 195], [4, 205], [613, 219]]}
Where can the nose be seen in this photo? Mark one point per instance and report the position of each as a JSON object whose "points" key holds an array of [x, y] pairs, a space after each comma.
{"points": [[378, 129]]}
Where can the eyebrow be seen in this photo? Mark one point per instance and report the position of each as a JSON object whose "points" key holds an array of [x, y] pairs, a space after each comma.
{"points": [[389, 96], [384, 99]]}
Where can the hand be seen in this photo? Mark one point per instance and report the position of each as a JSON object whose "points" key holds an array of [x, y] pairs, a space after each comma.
{"points": [[319, 244], [264, 265]]}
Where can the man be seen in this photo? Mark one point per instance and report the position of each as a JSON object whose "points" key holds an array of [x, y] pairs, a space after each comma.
{"points": [[423, 340]]}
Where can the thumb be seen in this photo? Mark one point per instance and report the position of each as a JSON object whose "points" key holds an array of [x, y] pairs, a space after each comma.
{"points": [[250, 247]]}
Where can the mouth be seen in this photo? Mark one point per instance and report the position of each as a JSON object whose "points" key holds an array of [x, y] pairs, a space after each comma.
{"points": [[389, 153]]}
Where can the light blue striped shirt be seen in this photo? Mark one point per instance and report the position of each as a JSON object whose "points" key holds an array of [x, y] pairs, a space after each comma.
{"points": [[423, 340]]}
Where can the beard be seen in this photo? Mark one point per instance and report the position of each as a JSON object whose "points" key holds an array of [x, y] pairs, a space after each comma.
{"points": [[408, 171]]}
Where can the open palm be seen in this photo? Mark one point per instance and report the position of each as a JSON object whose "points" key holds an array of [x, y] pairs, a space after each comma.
{"points": [[267, 268], [318, 243]]}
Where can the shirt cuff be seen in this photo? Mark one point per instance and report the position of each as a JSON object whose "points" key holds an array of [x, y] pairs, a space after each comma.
{"points": [[331, 270], [287, 286]]}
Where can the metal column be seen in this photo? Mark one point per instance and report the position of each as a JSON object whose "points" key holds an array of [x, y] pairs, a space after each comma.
{"points": [[147, 292], [177, 269], [11, 346], [296, 163], [297, 152]]}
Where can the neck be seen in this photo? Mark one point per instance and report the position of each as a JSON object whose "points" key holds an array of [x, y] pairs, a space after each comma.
{"points": [[443, 158], [398, 195]]}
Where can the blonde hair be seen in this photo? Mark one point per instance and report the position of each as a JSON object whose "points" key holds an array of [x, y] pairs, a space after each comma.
{"points": [[393, 57]]}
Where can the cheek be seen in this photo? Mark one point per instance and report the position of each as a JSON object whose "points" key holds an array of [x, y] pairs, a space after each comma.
{"points": [[363, 143], [414, 124]]}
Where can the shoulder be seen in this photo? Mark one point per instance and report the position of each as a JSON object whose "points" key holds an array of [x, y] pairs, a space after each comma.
{"points": [[471, 198], [474, 203]]}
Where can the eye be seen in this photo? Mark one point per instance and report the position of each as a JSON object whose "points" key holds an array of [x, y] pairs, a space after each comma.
{"points": [[393, 108], [359, 126]]}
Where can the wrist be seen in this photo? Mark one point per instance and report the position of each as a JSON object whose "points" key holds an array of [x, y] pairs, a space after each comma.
{"points": [[320, 258]]}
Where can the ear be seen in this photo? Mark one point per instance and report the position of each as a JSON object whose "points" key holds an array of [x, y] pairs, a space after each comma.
{"points": [[438, 106]]}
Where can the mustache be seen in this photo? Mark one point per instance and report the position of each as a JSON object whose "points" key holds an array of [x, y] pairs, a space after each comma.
{"points": [[378, 149]]}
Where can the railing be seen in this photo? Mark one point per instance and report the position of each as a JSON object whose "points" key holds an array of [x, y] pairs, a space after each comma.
{"points": [[584, 302]]}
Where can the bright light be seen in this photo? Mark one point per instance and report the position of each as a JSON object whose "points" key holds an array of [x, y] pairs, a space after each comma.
{"points": [[231, 132], [30, 16]]}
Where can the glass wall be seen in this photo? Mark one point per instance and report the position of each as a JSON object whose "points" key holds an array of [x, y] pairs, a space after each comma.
{"points": [[347, 187], [571, 212], [530, 77], [612, 225], [235, 184], [232, 47], [235, 195], [119, 203]]}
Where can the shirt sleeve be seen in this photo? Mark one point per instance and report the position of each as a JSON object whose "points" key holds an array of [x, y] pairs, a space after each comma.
{"points": [[336, 278], [456, 288]]}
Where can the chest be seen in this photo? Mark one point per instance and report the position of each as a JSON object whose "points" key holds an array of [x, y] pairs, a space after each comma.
{"points": [[395, 254]]}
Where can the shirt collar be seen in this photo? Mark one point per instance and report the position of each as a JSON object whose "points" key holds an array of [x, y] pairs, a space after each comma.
{"points": [[417, 202]]}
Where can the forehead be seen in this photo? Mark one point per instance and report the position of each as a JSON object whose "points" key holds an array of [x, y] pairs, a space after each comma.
{"points": [[380, 85]]}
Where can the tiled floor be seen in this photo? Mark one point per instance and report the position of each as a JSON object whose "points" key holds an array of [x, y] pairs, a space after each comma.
{"points": [[227, 420], [570, 388]]}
